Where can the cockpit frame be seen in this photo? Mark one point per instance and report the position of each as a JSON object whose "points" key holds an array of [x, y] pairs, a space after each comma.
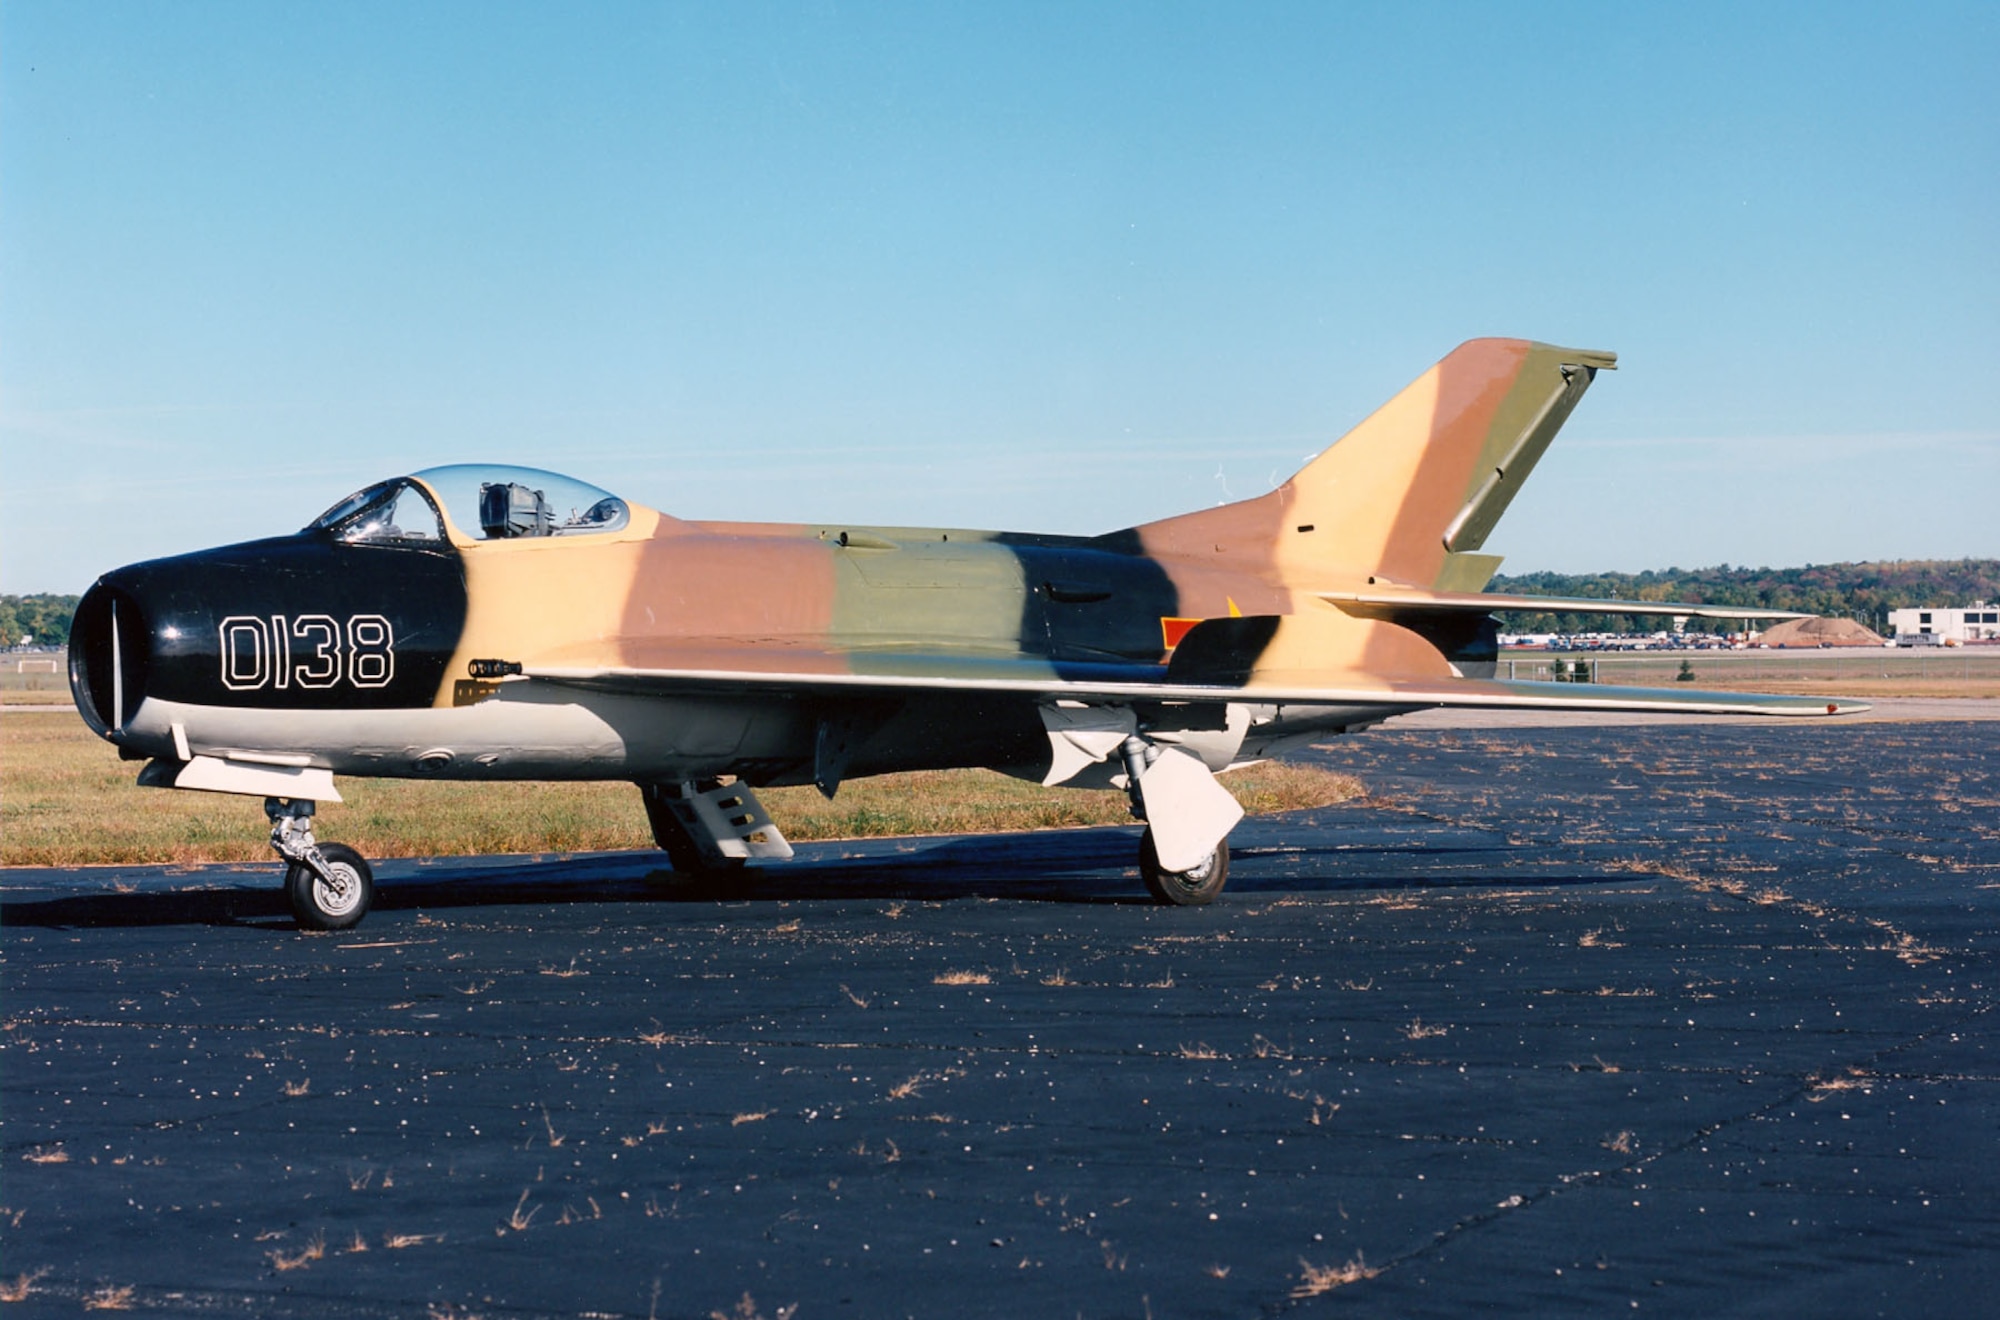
{"points": [[475, 504]]}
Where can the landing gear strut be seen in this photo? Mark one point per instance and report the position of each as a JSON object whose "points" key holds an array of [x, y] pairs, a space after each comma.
{"points": [[329, 886]]}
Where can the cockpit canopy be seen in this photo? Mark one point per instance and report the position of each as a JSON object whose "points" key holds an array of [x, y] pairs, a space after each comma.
{"points": [[486, 501]]}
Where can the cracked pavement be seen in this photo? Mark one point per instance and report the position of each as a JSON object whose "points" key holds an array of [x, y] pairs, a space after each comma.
{"points": [[1665, 1018]]}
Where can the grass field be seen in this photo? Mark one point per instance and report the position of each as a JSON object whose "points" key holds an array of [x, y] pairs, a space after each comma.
{"points": [[66, 800], [1847, 671], [34, 680]]}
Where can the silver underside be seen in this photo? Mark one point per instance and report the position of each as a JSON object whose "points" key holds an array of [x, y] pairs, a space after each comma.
{"points": [[528, 731]]}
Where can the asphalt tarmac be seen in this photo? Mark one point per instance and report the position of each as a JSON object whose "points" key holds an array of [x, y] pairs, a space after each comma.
{"points": [[1660, 1019]]}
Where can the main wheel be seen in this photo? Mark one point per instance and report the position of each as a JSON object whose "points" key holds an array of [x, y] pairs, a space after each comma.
{"points": [[337, 906], [696, 880], [687, 860], [1184, 888]]}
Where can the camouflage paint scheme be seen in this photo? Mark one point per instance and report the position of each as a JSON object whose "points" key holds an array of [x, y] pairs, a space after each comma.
{"points": [[677, 595], [670, 649]]}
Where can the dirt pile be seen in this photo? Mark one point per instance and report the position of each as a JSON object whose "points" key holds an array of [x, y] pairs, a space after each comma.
{"points": [[1820, 632]]}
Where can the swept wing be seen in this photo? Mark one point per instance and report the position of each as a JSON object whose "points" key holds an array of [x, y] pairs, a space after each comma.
{"points": [[920, 675]]}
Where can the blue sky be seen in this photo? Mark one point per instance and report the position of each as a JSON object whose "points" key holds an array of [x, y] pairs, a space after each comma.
{"points": [[1050, 267]]}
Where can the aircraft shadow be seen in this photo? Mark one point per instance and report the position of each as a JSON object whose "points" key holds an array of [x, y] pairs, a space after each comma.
{"points": [[1068, 867]]}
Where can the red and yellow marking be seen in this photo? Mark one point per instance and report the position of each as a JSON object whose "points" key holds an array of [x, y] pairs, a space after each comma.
{"points": [[1172, 630]]}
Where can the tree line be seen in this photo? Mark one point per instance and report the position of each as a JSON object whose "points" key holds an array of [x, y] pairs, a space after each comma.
{"points": [[42, 617], [1864, 592]]}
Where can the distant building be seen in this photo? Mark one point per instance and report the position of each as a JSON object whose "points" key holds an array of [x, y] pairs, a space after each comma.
{"points": [[1979, 623]]}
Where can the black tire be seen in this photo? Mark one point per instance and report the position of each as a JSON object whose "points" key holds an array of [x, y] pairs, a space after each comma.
{"points": [[693, 881], [319, 906], [688, 861], [1195, 888]]}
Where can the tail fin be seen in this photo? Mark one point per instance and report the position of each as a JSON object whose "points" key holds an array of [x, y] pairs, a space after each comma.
{"points": [[1412, 492]]}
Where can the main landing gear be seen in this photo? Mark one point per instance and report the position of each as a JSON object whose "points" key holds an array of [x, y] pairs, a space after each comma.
{"points": [[1183, 888], [328, 885], [1199, 884]]}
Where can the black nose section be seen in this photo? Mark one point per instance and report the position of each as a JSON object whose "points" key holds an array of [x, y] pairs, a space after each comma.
{"points": [[301, 622], [109, 655]]}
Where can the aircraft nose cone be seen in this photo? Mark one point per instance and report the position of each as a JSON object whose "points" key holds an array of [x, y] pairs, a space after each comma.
{"points": [[109, 654], [293, 622]]}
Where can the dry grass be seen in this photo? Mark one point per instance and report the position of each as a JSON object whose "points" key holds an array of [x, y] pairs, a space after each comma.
{"points": [[746, 1309], [18, 1290], [1905, 945], [67, 800], [1854, 1079], [519, 1222], [1265, 1048], [55, 700], [399, 1241], [46, 684], [1317, 1280], [446, 1311], [306, 1255], [109, 1298]]}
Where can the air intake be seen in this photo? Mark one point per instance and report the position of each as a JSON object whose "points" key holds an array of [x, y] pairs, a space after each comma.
{"points": [[108, 658]]}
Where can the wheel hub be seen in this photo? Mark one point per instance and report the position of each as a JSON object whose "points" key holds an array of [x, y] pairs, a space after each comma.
{"points": [[336, 893]]}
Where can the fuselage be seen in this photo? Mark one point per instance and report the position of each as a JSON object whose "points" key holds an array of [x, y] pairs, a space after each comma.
{"points": [[380, 640]]}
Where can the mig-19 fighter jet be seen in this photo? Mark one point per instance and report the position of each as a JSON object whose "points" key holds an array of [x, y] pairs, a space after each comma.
{"points": [[478, 622]]}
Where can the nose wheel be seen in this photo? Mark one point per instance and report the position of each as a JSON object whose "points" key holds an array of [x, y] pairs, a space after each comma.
{"points": [[333, 901], [329, 886]]}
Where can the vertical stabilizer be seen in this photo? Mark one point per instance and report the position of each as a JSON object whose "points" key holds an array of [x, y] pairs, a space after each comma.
{"points": [[1411, 494]]}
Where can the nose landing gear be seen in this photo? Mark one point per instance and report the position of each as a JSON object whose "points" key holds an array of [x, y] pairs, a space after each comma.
{"points": [[329, 886]]}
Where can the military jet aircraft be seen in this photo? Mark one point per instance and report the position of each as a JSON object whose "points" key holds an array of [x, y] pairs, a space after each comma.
{"points": [[482, 622]]}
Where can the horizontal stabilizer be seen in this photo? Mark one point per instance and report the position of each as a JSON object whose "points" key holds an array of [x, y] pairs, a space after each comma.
{"points": [[1509, 694], [1390, 601]]}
